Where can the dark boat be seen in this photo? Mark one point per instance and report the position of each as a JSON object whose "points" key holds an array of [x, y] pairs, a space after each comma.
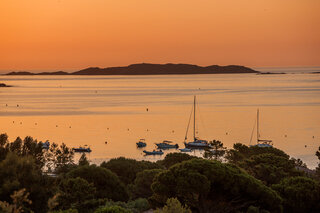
{"points": [[154, 152], [141, 143], [167, 145], [82, 149]]}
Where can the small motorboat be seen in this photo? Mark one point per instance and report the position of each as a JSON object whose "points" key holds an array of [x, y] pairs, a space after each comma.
{"points": [[141, 143], [154, 152], [82, 149], [185, 150], [167, 145]]}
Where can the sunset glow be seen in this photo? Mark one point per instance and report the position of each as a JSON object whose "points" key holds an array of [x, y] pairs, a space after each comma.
{"points": [[67, 35]]}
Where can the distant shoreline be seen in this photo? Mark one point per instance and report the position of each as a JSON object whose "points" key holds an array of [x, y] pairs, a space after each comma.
{"points": [[4, 85], [271, 73], [151, 69]]}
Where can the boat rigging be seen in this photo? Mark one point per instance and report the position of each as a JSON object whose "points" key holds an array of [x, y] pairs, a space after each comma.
{"points": [[196, 143], [260, 142]]}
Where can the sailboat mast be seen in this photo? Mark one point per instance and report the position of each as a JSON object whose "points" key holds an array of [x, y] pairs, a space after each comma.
{"points": [[258, 125], [194, 118]]}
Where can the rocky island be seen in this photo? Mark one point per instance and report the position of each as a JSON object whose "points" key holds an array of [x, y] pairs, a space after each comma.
{"points": [[152, 69], [41, 73], [4, 85]]}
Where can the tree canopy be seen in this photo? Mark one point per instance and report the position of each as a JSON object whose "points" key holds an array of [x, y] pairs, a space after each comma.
{"points": [[18, 172], [256, 180], [174, 158], [318, 167], [240, 152], [107, 184], [142, 184], [213, 186], [83, 161], [270, 168], [217, 151], [20, 147], [74, 191], [127, 169], [112, 209], [300, 194], [173, 206]]}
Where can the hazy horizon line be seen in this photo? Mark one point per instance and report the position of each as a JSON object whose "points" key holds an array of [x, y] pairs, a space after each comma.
{"points": [[102, 67]]}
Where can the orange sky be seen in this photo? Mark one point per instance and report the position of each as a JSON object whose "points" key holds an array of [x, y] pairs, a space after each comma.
{"points": [[73, 34]]}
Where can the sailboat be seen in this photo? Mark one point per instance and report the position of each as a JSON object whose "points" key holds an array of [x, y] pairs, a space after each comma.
{"points": [[260, 142], [196, 143]]}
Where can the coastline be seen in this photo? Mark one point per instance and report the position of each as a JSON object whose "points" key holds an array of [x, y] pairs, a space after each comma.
{"points": [[151, 69]]}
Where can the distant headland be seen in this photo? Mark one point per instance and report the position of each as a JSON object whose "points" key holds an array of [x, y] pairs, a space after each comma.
{"points": [[4, 85], [151, 69]]}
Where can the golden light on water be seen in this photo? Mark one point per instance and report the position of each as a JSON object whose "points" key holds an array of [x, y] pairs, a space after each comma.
{"points": [[79, 110]]}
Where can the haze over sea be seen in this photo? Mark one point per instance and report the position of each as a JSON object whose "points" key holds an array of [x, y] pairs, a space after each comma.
{"points": [[79, 110]]}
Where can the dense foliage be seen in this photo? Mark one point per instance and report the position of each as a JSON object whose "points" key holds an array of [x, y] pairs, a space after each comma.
{"points": [[75, 191], [318, 168], [241, 152], [270, 168], [254, 180], [217, 151], [300, 194], [174, 158], [142, 184], [133, 206], [106, 183], [211, 186], [173, 206], [23, 173], [126, 169]]}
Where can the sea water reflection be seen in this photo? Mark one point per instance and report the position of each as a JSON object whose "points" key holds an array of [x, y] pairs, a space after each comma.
{"points": [[80, 110]]}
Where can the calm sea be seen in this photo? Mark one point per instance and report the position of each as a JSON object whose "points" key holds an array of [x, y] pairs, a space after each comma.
{"points": [[89, 110]]}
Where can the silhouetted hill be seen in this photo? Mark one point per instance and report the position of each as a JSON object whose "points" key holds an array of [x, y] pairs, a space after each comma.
{"points": [[152, 69], [164, 69], [4, 85], [41, 73], [20, 73], [54, 73]]}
